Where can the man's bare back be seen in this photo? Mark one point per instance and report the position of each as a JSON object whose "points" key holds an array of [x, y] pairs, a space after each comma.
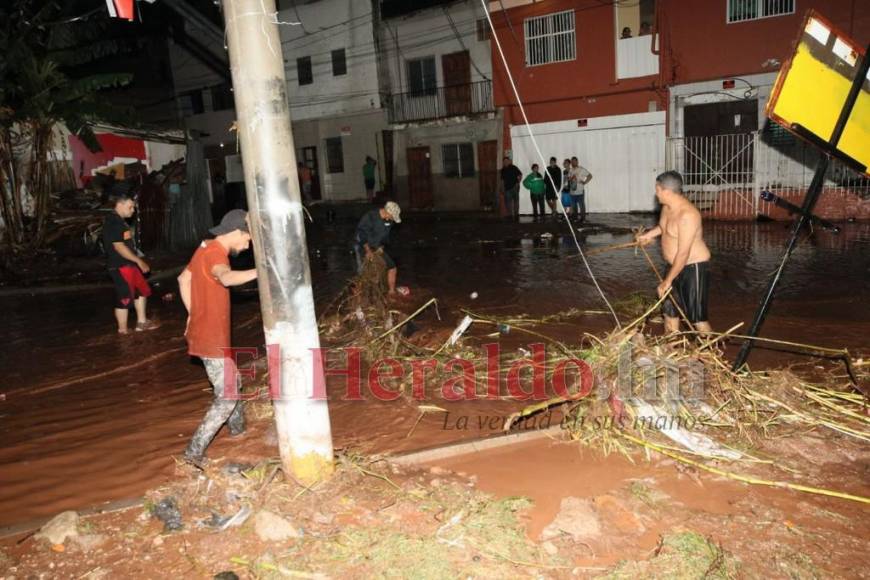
{"points": [[683, 216]]}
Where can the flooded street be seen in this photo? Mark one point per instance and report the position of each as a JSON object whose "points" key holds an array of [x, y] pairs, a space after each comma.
{"points": [[87, 417]]}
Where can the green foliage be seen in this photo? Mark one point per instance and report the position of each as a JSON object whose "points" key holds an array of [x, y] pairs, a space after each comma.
{"points": [[47, 77], [42, 42], [681, 555]]}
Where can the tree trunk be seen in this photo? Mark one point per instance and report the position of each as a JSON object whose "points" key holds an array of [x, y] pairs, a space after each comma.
{"points": [[11, 189], [41, 186]]}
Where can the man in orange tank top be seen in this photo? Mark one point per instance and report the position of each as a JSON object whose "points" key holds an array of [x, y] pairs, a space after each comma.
{"points": [[204, 289]]}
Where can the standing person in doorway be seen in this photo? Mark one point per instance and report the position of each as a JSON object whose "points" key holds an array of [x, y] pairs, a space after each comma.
{"points": [[304, 181], [510, 179], [372, 233], [579, 177], [204, 289], [553, 183], [534, 182], [125, 266], [369, 177], [684, 249]]}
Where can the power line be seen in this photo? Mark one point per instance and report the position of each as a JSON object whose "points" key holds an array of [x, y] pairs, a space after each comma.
{"points": [[461, 43], [544, 162]]}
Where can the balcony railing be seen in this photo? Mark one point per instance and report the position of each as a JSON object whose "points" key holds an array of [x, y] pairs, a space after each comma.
{"points": [[635, 58], [441, 102]]}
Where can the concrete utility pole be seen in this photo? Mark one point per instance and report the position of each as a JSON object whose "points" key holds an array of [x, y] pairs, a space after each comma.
{"points": [[278, 228]]}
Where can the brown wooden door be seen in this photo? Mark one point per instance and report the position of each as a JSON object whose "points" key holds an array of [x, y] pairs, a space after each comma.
{"points": [[457, 82], [487, 176], [419, 177]]}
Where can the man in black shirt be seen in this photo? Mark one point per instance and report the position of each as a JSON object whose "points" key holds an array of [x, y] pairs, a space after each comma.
{"points": [[126, 268], [553, 181], [510, 179], [372, 233]]}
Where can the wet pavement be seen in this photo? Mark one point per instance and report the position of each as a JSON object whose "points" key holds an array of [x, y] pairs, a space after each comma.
{"points": [[86, 417]]}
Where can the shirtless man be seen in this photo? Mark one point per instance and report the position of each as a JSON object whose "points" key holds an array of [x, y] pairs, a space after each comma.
{"points": [[684, 249]]}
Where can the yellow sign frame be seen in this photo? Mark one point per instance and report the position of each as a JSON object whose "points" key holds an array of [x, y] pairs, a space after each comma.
{"points": [[811, 89]]}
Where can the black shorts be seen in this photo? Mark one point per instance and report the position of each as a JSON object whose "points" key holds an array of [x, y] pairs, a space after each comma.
{"points": [[550, 195], [690, 290], [130, 284], [370, 183]]}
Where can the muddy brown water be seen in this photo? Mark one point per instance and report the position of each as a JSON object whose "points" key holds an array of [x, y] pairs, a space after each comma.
{"points": [[86, 417]]}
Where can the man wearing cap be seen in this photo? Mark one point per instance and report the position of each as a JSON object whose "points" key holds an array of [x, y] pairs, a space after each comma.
{"points": [[204, 290], [372, 233]]}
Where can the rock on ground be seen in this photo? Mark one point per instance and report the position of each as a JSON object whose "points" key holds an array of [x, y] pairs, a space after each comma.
{"points": [[271, 527], [615, 514], [62, 526], [88, 542], [577, 518]]}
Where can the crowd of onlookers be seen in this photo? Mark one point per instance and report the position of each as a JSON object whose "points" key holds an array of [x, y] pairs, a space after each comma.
{"points": [[565, 185]]}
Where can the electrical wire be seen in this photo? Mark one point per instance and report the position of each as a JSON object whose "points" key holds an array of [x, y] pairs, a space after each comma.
{"points": [[544, 162], [461, 43], [299, 18], [509, 23]]}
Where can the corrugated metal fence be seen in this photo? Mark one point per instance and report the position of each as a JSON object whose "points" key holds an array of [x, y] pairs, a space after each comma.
{"points": [[724, 176]]}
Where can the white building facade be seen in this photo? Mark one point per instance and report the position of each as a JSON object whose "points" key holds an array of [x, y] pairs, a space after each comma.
{"points": [[446, 134], [332, 84]]}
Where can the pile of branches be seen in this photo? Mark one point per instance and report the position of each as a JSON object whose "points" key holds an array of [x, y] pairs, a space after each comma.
{"points": [[360, 312], [639, 401], [638, 397]]}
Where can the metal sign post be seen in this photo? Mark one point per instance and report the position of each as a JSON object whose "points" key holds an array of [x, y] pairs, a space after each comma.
{"points": [[809, 203]]}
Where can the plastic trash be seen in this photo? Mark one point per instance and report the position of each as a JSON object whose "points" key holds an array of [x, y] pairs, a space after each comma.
{"points": [[463, 326]]}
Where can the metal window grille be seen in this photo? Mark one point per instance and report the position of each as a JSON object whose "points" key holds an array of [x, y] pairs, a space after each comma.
{"points": [[458, 159], [550, 38], [743, 10]]}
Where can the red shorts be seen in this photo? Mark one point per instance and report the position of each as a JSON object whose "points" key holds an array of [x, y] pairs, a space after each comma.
{"points": [[130, 284]]}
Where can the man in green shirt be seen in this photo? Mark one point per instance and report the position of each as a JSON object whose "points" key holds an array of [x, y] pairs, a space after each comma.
{"points": [[536, 185], [369, 177]]}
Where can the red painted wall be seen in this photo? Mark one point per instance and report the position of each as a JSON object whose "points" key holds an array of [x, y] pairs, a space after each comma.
{"points": [[591, 76], [696, 44], [700, 45], [112, 146]]}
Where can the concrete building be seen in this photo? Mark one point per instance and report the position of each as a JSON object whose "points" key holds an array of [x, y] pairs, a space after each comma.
{"points": [[445, 130], [633, 88], [332, 85]]}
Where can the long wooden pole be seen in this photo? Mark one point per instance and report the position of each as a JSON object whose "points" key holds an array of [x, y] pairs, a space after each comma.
{"points": [[278, 230]]}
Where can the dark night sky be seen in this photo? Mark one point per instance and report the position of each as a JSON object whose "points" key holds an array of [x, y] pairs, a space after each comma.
{"points": [[391, 8]]}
